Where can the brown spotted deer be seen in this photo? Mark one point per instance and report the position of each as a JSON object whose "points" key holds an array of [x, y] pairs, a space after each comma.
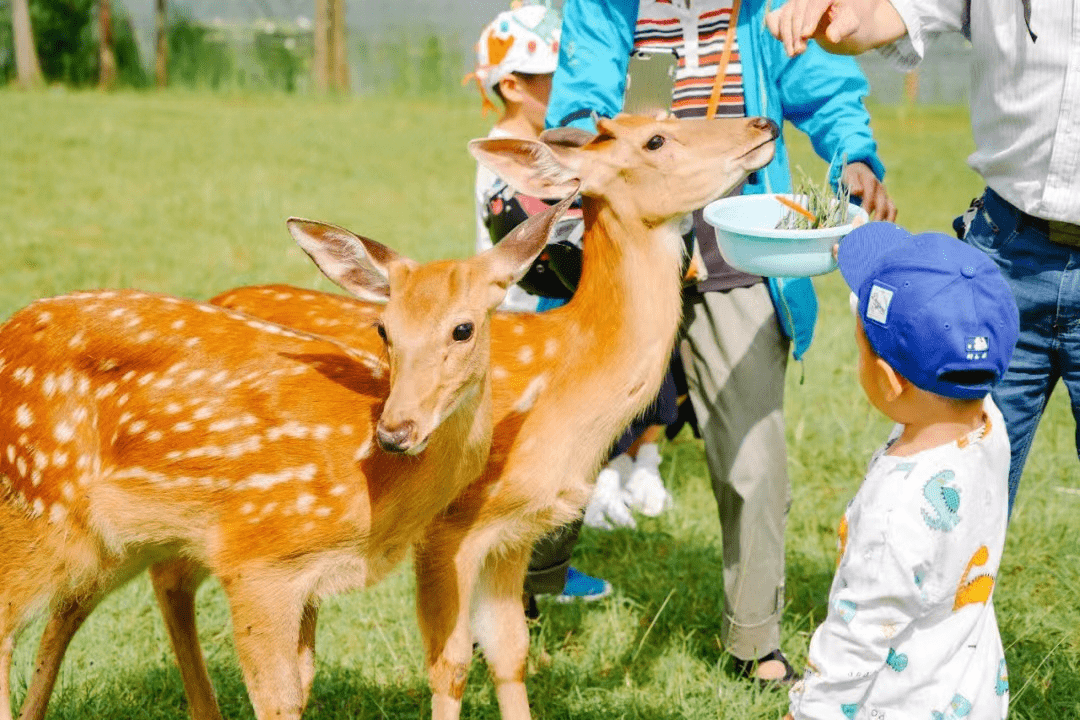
{"points": [[566, 382], [140, 429]]}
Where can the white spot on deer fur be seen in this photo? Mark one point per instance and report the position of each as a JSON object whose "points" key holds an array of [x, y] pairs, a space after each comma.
{"points": [[66, 382], [363, 451], [134, 321], [203, 413], [346, 429], [11, 453], [146, 336], [105, 391], [79, 414], [57, 513], [219, 377], [290, 429], [137, 427], [59, 458], [247, 508], [528, 398], [35, 477], [69, 491], [322, 512], [128, 375], [173, 408], [122, 400], [44, 316], [282, 296], [23, 417], [268, 508], [519, 329], [304, 503], [63, 432], [265, 481], [321, 432], [177, 324], [41, 460], [20, 465], [183, 427], [551, 346], [145, 379], [499, 373], [195, 376], [24, 375], [117, 312], [38, 507], [77, 340], [525, 354], [48, 385], [83, 385], [192, 342], [338, 490], [307, 296], [154, 435], [163, 383], [205, 308]]}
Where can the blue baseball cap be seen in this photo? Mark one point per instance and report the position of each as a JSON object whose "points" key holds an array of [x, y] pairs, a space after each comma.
{"points": [[934, 308]]}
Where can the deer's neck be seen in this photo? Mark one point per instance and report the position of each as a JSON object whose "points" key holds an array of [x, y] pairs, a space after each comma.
{"points": [[627, 307]]}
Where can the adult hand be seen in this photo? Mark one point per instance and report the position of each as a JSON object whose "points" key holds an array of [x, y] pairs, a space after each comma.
{"points": [[845, 27], [862, 183]]}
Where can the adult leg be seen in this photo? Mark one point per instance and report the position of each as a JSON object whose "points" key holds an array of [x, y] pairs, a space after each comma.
{"points": [[1038, 273], [735, 356]]}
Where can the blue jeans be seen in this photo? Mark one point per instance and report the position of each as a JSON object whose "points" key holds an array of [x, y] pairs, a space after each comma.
{"points": [[1045, 278]]}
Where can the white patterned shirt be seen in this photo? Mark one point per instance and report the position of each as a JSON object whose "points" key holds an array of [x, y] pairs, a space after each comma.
{"points": [[911, 630], [1025, 95]]}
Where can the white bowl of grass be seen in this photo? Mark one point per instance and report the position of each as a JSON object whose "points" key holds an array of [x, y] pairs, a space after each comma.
{"points": [[754, 235]]}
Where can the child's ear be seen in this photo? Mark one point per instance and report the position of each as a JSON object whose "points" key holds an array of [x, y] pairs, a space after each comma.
{"points": [[510, 88], [890, 382]]}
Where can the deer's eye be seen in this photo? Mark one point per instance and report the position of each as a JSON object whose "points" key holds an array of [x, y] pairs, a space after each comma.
{"points": [[379, 328], [463, 332], [655, 142]]}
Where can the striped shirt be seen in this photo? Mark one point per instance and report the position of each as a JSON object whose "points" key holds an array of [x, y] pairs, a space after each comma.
{"points": [[1025, 96], [696, 33]]}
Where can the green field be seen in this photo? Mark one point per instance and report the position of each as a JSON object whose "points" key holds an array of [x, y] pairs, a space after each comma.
{"points": [[188, 193]]}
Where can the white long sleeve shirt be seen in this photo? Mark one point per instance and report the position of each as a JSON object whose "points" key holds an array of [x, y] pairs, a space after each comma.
{"points": [[911, 631], [1025, 95]]}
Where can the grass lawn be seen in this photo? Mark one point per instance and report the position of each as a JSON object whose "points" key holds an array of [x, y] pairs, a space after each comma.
{"points": [[188, 193]]}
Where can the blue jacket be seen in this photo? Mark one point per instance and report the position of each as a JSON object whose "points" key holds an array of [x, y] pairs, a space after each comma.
{"points": [[820, 94]]}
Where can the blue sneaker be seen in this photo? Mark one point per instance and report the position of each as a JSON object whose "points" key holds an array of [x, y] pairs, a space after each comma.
{"points": [[580, 586]]}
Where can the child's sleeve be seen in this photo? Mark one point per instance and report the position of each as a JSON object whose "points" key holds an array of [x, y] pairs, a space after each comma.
{"points": [[875, 596]]}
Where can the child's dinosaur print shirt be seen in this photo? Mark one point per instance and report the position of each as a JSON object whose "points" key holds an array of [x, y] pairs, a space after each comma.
{"points": [[911, 632]]}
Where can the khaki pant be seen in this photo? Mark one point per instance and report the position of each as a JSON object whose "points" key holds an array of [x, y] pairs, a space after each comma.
{"points": [[735, 357]]}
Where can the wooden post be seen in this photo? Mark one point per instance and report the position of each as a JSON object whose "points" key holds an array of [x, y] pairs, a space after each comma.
{"points": [[26, 59], [106, 56], [321, 43], [339, 60], [161, 55]]}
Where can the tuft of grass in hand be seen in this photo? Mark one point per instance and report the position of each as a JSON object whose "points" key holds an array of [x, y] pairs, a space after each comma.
{"points": [[816, 205]]}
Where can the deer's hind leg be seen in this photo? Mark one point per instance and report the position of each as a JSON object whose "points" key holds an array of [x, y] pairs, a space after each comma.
{"points": [[175, 582]]}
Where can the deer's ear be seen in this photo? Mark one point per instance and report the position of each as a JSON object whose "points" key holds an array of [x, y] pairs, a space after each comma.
{"points": [[512, 257], [529, 166], [357, 264]]}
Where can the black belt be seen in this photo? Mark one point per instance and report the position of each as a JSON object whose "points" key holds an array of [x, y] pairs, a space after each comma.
{"points": [[1058, 232]]}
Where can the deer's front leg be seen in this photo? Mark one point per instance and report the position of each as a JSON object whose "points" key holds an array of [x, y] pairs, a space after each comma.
{"points": [[267, 614], [445, 574], [175, 582], [501, 630]]}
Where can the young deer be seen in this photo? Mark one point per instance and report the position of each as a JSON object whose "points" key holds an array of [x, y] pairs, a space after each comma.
{"points": [[140, 429], [566, 382]]}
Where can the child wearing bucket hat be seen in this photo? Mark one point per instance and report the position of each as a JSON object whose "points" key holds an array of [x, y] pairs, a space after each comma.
{"points": [[911, 630], [516, 57]]}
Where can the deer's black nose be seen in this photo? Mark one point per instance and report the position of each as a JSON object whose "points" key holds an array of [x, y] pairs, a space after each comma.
{"points": [[395, 439]]}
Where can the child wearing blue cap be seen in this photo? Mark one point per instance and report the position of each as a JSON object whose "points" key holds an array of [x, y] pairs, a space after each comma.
{"points": [[911, 631]]}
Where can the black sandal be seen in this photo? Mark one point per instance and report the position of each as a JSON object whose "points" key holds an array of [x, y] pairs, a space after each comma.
{"points": [[746, 668]]}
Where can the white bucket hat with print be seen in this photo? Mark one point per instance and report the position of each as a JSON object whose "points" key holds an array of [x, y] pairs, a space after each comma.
{"points": [[524, 39]]}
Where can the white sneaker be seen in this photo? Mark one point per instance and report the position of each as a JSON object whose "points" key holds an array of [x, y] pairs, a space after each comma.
{"points": [[644, 486], [607, 507]]}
